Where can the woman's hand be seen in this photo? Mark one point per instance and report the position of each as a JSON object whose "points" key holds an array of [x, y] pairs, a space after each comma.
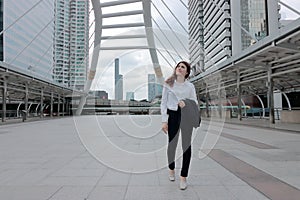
{"points": [[165, 127], [181, 104]]}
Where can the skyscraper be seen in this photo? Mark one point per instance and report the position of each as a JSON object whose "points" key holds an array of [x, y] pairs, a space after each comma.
{"points": [[196, 37], [27, 39], [71, 45], [219, 30], [118, 81]]}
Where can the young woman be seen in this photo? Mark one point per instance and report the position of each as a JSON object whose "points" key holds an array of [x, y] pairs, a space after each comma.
{"points": [[176, 90]]}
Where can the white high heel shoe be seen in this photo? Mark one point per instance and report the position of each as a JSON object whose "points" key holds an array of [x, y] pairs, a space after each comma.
{"points": [[172, 176], [183, 184]]}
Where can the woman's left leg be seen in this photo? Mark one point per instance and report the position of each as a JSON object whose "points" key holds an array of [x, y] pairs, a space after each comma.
{"points": [[186, 137]]}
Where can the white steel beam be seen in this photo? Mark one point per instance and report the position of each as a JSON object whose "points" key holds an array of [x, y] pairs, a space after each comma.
{"points": [[116, 3], [128, 25], [120, 14], [124, 47], [122, 37]]}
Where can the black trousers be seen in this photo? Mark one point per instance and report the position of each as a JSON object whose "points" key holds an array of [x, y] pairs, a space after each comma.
{"points": [[174, 127]]}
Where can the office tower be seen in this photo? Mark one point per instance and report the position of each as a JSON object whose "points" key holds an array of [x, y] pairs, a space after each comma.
{"points": [[129, 96], [151, 87], [220, 30], [71, 42], [27, 39], [196, 36], [118, 81]]}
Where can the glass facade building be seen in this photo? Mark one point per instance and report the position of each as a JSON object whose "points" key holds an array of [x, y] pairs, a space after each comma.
{"points": [[254, 20], [27, 40], [71, 42], [221, 29]]}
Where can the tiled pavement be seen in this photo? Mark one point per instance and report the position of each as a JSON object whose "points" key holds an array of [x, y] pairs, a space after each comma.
{"points": [[124, 157]]}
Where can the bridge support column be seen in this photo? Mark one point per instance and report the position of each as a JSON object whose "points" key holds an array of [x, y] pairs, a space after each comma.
{"points": [[220, 100], [51, 105], [58, 105], [4, 97], [207, 102], [26, 102], [239, 95], [63, 105], [42, 103], [270, 84]]}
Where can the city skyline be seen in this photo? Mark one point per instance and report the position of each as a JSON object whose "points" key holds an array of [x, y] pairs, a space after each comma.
{"points": [[32, 68], [139, 57]]}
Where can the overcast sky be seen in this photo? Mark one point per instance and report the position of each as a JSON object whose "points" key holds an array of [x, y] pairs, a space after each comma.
{"points": [[135, 65]]}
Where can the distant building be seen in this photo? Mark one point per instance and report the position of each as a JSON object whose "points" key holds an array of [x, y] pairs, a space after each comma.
{"points": [[129, 96], [100, 94], [71, 42], [151, 87], [118, 81], [154, 88], [159, 89]]}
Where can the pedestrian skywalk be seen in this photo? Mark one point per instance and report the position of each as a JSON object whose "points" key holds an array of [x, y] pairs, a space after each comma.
{"points": [[124, 157]]}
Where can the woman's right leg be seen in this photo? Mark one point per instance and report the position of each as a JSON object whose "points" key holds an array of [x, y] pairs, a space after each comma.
{"points": [[173, 134]]}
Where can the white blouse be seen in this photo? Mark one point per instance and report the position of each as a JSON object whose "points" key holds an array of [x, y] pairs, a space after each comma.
{"points": [[172, 95]]}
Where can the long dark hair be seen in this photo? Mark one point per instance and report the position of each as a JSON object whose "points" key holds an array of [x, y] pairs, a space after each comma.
{"points": [[170, 81]]}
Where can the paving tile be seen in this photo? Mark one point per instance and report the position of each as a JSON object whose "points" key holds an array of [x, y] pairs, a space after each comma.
{"points": [[11, 174], [82, 172], [72, 193], [214, 192], [68, 181], [114, 178], [246, 193], [108, 193], [30, 178], [160, 192], [27, 192], [146, 179]]}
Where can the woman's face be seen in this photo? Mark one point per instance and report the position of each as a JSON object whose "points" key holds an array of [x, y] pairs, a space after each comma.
{"points": [[181, 70]]}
